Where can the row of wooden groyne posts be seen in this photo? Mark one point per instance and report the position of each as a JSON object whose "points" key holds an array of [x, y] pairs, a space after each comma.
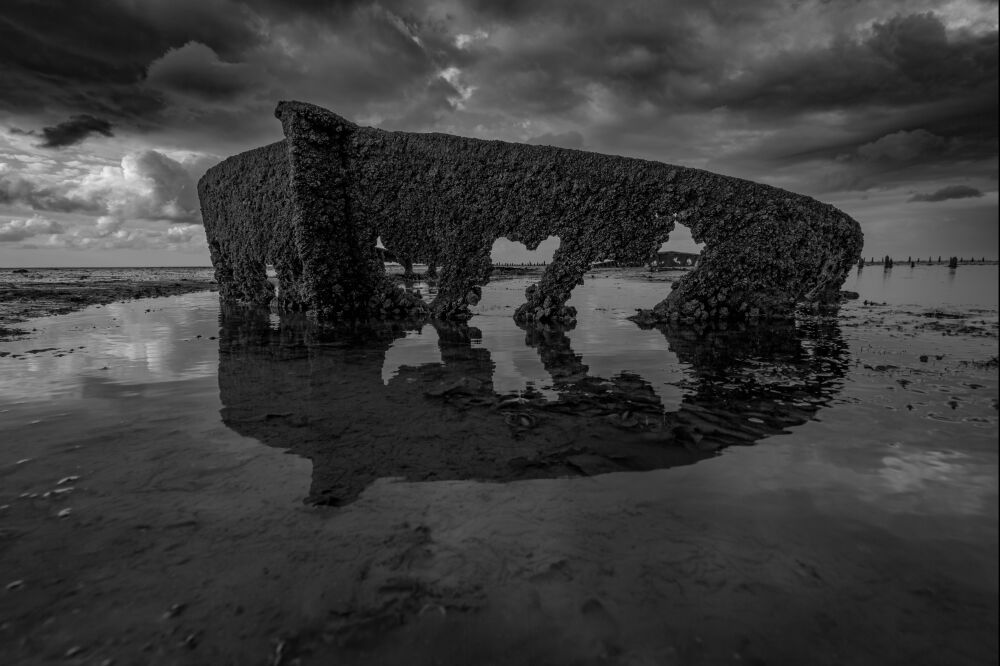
{"points": [[953, 262]]}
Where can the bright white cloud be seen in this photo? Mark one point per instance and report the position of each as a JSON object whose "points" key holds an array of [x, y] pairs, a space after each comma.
{"points": [[147, 185], [184, 233], [110, 234], [464, 40], [107, 207], [18, 230], [107, 225], [453, 75]]}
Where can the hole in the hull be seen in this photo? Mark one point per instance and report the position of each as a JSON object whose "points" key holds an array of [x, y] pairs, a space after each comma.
{"points": [[515, 267], [388, 256], [508, 253], [681, 250], [396, 264], [271, 273]]}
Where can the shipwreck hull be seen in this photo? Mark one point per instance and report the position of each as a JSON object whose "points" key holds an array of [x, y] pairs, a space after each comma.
{"points": [[314, 204]]}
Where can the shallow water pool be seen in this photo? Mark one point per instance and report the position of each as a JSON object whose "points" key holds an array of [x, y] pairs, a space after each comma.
{"points": [[483, 493]]}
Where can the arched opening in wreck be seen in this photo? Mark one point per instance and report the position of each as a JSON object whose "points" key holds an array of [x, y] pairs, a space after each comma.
{"points": [[680, 251], [516, 267], [272, 276], [400, 263], [388, 257], [272, 291], [505, 253]]}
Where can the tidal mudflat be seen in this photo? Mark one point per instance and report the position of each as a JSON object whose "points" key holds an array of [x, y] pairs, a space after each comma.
{"points": [[180, 484], [26, 293]]}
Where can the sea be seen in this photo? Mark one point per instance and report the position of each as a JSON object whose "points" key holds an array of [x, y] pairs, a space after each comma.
{"points": [[824, 492]]}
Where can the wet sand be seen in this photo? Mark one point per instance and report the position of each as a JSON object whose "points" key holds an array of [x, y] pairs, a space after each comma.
{"points": [[26, 294], [864, 534]]}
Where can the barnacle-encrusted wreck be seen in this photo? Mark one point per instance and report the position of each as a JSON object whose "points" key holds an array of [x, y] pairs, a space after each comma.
{"points": [[314, 204]]}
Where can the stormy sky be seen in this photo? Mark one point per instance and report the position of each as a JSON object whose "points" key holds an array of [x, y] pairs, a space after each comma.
{"points": [[110, 110]]}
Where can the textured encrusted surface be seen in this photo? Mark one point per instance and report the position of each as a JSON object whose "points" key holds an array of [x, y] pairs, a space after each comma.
{"points": [[766, 251], [435, 193], [246, 209], [446, 199]]}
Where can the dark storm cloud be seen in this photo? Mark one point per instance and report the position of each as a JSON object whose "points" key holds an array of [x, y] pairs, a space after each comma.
{"points": [[592, 15], [57, 57], [670, 55], [878, 100], [628, 68], [196, 71], [311, 10], [903, 146], [949, 192], [73, 131], [631, 75], [639, 52], [905, 72], [906, 59], [937, 89], [64, 56]]}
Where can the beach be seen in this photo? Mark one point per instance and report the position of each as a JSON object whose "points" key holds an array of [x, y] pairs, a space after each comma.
{"points": [[184, 483], [27, 293]]}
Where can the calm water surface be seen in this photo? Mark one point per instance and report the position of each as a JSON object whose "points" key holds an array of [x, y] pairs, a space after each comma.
{"points": [[928, 286], [826, 488]]}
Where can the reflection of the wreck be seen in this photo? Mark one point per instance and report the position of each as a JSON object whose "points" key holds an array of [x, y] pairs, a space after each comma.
{"points": [[318, 392]]}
